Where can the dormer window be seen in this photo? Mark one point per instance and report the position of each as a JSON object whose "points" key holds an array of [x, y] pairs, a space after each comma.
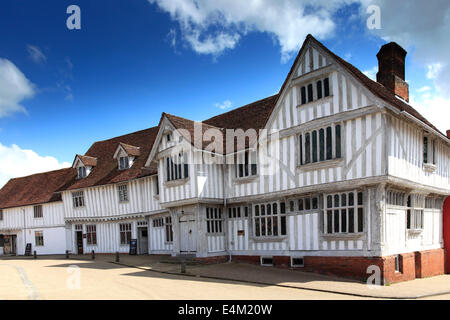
{"points": [[82, 172], [124, 163], [429, 150], [169, 137]]}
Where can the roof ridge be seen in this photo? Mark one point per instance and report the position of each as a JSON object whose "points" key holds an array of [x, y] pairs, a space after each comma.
{"points": [[124, 135], [244, 106]]}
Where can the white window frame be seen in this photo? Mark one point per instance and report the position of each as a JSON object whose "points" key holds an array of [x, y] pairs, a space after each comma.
{"points": [[266, 264], [39, 238], [309, 156], [338, 208], [122, 189], [246, 164], [78, 199], [81, 172], [214, 221], [261, 219], [396, 198], [38, 212], [168, 229], [415, 213], [125, 230], [176, 167], [315, 93], [91, 234], [158, 222], [124, 163]]}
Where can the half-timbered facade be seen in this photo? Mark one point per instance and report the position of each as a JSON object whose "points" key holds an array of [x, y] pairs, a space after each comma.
{"points": [[335, 173]]}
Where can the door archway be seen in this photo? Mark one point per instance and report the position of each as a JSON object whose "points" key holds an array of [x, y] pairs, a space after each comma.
{"points": [[446, 223]]}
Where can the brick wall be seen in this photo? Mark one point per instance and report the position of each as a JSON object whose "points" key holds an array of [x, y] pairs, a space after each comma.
{"points": [[430, 263], [412, 265]]}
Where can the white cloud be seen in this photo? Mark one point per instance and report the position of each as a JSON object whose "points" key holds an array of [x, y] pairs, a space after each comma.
{"points": [[36, 54], [435, 109], [211, 27], [14, 88], [422, 28], [227, 104], [424, 89], [17, 162], [434, 70]]}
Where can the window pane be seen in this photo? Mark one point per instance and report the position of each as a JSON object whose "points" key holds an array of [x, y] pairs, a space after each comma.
{"points": [[360, 198], [329, 144], [360, 220], [330, 221], [336, 200], [425, 149], [336, 221], [326, 84], [344, 220], [351, 201], [314, 146], [300, 205], [315, 203], [310, 93], [256, 211], [351, 220], [257, 227], [322, 144], [307, 148], [319, 89], [303, 93], [300, 139], [283, 226], [344, 200], [308, 204], [329, 202], [338, 141]]}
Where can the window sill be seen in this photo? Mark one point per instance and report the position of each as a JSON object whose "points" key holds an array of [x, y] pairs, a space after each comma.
{"points": [[156, 197], [245, 179], [269, 239], [315, 102], [429, 167], [176, 183], [415, 232], [343, 236], [321, 165]]}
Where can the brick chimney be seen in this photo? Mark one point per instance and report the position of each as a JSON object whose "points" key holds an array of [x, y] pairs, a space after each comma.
{"points": [[391, 69], [448, 134]]}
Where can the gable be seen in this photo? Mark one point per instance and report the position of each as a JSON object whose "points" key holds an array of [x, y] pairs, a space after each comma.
{"points": [[313, 67]]}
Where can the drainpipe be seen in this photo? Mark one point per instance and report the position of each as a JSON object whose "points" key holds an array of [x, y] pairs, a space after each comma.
{"points": [[24, 229], [225, 206]]}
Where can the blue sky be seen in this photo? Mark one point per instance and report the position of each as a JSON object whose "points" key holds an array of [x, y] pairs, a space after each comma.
{"points": [[133, 60]]}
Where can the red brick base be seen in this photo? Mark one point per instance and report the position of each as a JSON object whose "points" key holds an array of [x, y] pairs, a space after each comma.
{"points": [[430, 263], [412, 265]]}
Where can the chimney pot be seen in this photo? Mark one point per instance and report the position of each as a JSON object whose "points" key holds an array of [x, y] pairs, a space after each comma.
{"points": [[391, 69]]}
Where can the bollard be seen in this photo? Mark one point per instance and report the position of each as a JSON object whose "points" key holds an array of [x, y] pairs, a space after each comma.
{"points": [[67, 254], [117, 257], [34, 254], [183, 266], [93, 255]]}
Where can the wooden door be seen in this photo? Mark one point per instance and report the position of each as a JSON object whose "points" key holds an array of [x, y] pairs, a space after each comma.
{"points": [[188, 234]]}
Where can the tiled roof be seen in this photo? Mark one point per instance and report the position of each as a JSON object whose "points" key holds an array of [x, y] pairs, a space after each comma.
{"points": [[107, 171], [88, 161], [131, 150], [35, 189], [376, 88]]}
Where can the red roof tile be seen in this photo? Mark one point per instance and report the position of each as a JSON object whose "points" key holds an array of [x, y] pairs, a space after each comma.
{"points": [[35, 189], [107, 171]]}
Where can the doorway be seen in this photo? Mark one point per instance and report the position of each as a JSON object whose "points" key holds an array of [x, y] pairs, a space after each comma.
{"points": [[9, 245], [79, 237], [446, 223], [143, 240], [188, 234]]}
